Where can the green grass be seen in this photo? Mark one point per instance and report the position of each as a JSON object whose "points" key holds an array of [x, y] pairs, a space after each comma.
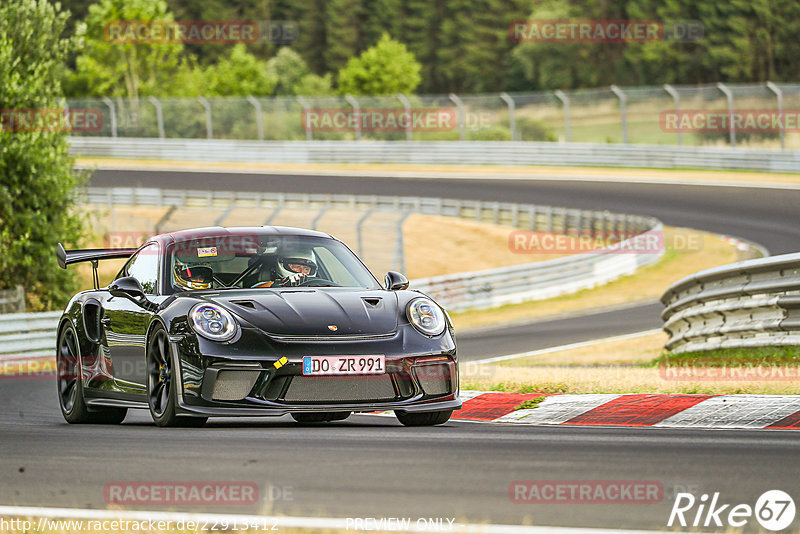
{"points": [[530, 403], [742, 357]]}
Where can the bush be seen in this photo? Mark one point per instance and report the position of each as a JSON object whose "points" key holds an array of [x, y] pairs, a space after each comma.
{"points": [[37, 182]]}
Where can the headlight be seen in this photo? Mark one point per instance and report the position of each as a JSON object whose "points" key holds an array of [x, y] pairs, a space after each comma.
{"points": [[213, 322], [426, 316]]}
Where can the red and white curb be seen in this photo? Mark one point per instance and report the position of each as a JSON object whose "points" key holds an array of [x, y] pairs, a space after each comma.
{"points": [[639, 410]]}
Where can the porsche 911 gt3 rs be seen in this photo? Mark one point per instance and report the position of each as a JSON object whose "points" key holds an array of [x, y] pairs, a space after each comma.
{"points": [[248, 322]]}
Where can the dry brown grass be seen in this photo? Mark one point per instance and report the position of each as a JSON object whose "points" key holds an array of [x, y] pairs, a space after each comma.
{"points": [[616, 366], [705, 250], [553, 379], [446, 245], [636, 350]]}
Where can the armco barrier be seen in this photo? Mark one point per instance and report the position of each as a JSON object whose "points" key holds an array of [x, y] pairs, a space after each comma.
{"points": [[437, 152], [30, 335], [752, 303]]}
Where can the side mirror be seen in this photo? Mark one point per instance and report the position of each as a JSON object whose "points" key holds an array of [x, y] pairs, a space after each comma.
{"points": [[396, 281], [128, 287]]}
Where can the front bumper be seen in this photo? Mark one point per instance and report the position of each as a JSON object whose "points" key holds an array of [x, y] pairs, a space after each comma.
{"points": [[273, 384]]}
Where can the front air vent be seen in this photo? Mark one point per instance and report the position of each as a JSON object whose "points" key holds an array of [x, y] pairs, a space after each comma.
{"points": [[372, 301], [245, 304]]}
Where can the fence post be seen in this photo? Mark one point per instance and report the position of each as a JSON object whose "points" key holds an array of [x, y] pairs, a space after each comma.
{"points": [[164, 218], [319, 216], [399, 253], [225, 213], [407, 105], [623, 100], [677, 99], [779, 94], [207, 107], [159, 115], [512, 123], [306, 106], [360, 228], [729, 95], [112, 109], [461, 119], [561, 95], [259, 119], [353, 102], [281, 202]]}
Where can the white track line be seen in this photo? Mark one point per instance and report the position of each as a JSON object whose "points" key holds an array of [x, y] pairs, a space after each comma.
{"points": [[285, 521], [564, 347]]}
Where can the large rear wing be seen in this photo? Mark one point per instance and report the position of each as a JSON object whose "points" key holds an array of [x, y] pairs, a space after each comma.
{"points": [[68, 257]]}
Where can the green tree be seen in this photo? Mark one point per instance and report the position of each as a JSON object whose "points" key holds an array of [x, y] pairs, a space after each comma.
{"points": [[125, 68], [37, 182], [293, 76], [241, 73], [386, 68]]}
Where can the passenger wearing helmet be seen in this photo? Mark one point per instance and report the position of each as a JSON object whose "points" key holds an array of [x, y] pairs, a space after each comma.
{"points": [[293, 269], [197, 277]]}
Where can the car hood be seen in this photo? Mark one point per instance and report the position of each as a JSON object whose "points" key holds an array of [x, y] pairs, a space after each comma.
{"points": [[316, 311]]}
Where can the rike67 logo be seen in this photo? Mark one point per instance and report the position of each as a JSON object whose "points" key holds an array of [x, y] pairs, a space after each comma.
{"points": [[774, 510]]}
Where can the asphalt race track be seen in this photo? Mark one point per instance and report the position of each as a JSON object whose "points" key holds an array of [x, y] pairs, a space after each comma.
{"points": [[369, 466]]}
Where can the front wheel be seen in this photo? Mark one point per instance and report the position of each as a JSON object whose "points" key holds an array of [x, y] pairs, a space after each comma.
{"points": [[161, 383], [70, 385], [423, 418]]}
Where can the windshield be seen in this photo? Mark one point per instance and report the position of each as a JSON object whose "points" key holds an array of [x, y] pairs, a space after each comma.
{"points": [[244, 260]]}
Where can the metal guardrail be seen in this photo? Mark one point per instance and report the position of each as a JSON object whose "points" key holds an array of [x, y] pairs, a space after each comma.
{"points": [[457, 292], [31, 335], [504, 153], [752, 303]]}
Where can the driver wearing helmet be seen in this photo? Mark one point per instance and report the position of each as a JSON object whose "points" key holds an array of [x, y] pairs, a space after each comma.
{"points": [[293, 269], [197, 277]]}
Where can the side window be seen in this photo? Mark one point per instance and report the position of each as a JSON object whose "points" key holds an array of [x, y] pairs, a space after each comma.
{"points": [[144, 267]]}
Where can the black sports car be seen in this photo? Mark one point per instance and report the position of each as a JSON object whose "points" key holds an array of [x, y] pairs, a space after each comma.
{"points": [[251, 321]]}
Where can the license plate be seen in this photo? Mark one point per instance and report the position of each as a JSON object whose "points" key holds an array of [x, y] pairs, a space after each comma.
{"points": [[344, 365]]}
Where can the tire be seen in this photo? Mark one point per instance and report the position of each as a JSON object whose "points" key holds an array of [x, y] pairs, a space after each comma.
{"points": [[423, 418], [320, 417], [161, 384], [70, 385]]}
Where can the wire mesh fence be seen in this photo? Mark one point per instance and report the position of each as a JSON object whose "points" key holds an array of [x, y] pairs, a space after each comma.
{"points": [[634, 115]]}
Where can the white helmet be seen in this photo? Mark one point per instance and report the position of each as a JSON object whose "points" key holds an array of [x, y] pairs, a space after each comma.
{"points": [[297, 262]]}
